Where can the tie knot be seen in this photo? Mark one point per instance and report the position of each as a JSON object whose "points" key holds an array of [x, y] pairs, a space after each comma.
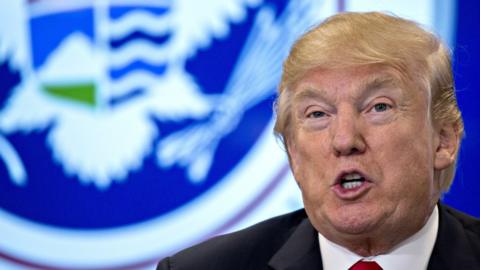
{"points": [[363, 265]]}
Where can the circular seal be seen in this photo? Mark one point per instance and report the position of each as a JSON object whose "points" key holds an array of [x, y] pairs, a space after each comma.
{"points": [[131, 129]]}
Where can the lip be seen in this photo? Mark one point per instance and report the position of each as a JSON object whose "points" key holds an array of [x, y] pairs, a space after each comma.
{"points": [[351, 194]]}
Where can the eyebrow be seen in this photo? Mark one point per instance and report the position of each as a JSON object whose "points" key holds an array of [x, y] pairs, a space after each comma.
{"points": [[310, 93], [377, 82], [367, 87], [373, 84]]}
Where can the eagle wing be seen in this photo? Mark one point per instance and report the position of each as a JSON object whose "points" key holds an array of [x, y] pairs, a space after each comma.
{"points": [[196, 23], [253, 79]]}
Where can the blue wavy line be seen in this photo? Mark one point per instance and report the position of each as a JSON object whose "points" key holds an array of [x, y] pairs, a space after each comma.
{"points": [[115, 44], [124, 98], [156, 69]]}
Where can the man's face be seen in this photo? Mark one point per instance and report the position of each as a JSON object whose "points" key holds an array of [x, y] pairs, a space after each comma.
{"points": [[363, 152]]}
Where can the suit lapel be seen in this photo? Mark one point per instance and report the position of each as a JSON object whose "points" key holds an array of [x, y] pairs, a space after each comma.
{"points": [[300, 251], [452, 249]]}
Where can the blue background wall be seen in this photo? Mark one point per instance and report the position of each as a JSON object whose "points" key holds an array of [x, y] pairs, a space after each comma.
{"points": [[465, 192]]}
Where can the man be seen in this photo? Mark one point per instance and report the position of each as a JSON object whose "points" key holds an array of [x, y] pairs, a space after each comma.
{"points": [[368, 115]]}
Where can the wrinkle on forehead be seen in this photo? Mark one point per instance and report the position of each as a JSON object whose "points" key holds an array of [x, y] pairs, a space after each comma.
{"points": [[367, 85]]}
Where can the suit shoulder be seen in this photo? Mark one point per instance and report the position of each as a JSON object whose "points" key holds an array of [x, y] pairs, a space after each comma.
{"points": [[468, 222], [468, 229], [239, 250]]}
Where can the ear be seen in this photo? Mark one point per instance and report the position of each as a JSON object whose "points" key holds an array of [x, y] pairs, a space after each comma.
{"points": [[446, 146]]}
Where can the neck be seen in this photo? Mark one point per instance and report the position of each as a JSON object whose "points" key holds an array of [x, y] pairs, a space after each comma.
{"points": [[370, 246], [380, 240]]}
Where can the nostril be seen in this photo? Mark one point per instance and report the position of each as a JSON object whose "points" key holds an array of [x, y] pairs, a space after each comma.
{"points": [[352, 149]]}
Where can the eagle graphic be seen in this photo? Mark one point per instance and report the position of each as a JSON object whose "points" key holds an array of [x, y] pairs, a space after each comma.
{"points": [[98, 98]]}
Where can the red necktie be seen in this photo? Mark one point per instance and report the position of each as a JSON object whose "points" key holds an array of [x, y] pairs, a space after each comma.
{"points": [[363, 265]]}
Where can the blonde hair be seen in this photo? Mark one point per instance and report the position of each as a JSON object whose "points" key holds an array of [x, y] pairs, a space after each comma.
{"points": [[354, 39]]}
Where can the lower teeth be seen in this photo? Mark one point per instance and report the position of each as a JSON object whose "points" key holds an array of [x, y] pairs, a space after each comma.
{"points": [[350, 185]]}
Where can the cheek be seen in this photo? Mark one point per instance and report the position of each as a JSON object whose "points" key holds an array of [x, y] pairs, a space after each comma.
{"points": [[406, 164], [308, 163]]}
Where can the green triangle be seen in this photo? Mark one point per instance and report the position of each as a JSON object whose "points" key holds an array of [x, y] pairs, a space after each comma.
{"points": [[79, 92]]}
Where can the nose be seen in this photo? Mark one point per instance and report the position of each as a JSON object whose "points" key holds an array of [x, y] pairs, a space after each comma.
{"points": [[347, 137]]}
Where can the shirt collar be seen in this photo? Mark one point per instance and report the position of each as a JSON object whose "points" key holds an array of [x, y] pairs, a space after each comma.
{"points": [[413, 253]]}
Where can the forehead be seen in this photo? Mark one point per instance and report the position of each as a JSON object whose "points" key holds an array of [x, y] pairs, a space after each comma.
{"points": [[351, 81]]}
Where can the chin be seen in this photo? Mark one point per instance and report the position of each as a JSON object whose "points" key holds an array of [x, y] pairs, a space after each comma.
{"points": [[355, 227], [354, 220]]}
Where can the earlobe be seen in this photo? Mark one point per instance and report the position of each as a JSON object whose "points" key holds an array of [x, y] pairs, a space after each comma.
{"points": [[447, 147]]}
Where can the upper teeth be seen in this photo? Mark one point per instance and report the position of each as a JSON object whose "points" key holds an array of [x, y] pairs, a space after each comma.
{"points": [[352, 176]]}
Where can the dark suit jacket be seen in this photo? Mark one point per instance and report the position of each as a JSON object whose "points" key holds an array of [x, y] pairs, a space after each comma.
{"points": [[291, 242]]}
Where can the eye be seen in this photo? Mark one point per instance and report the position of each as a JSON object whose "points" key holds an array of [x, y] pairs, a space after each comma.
{"points": [[381, 107], [316, 114]]}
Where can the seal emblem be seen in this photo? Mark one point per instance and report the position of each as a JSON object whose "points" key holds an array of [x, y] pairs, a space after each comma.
{"points": [[125, 123]]}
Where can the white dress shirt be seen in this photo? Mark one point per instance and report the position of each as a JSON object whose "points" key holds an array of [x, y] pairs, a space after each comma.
{"points": [[413, 253]]}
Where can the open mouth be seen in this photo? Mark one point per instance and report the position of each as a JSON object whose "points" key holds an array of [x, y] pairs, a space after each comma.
{"points": [[351, 181], [351, 185]]}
